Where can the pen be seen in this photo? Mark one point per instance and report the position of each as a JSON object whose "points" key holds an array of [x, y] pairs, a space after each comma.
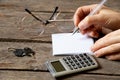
{"points": [[94, 11]]}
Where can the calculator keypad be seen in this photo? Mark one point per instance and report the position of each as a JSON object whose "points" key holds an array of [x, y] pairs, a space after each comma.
{"points": [[78, 61]]}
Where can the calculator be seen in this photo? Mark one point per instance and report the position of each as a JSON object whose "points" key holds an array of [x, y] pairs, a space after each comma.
{"points": [[71, 64]]}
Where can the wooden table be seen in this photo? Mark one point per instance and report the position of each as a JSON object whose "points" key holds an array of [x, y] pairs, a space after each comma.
{"points": [[28, 68]]}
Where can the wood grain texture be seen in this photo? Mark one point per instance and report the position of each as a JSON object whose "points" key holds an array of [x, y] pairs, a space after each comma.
{"points": [[43, 53], [25, 75], [12, 35], [46, 5], [12, 24], [12, 13]]}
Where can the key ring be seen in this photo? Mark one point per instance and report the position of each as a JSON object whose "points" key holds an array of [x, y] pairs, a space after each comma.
{"points": [[11, 49]]}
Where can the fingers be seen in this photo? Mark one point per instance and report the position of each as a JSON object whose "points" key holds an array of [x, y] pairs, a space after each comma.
{"points": [[115, 56], [93, 34], [81, 13], [115, 48], [106, 30], [106, 41], [108, 46], [90, 20]]}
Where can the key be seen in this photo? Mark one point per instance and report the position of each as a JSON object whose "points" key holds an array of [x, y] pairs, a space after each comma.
{"points": [[19, 52], [22, 52], [29, 52]]}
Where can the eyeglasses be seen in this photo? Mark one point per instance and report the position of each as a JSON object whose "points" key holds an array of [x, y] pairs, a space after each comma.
{"points": [[34, 25]]}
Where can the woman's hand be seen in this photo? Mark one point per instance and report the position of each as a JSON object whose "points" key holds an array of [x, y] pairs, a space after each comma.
{"points": [[108, 46], [104, 21]]}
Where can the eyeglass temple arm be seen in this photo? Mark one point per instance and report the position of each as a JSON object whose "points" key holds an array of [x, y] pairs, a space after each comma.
{"points": [[53, 14], [44, 22]]}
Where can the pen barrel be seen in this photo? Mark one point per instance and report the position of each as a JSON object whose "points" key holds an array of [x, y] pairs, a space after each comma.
{"points": [[97, 8]]}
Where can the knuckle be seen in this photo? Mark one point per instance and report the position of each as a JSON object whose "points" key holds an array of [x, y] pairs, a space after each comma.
{"points": [[88, 19], [78, 10], [108, 36], [111, 58]]}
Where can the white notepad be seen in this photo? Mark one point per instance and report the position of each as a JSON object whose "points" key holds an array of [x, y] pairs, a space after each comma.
{"points": [[68, 44]]}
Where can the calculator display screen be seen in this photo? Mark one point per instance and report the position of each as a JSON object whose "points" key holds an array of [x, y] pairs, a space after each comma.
{"points": [[58, 66]]}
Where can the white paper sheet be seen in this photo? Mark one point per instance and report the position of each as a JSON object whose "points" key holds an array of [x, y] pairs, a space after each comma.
{"points": [[68, 44]]}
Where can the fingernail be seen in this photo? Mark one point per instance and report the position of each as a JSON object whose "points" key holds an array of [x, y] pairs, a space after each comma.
{"points": [[95, 34], [81, 25], [92, 49], [83, 32], [109, 58], [96, 54]]}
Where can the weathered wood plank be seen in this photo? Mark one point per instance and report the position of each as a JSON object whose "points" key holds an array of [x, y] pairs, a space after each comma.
{"points": [[24, 75], [10, 20], [40, 5], [9, 61], [43, 53], [12, 67], [11, 25], [29, 75]]}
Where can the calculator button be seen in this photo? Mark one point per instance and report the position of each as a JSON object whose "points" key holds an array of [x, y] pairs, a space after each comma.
{"points": [[66, 62], [68, 58], [75, 67], [76, 56], [87, 63], [91, 60], [93, 63], [72, 64], [85, 54], [79, 66], [84, 58], [77, 63], [84, 65], [88, 58], [70, 61], [70, 67], [64, 59], [81, 55], [82, 62], [72, 57], [75, 60], [79, 59]]}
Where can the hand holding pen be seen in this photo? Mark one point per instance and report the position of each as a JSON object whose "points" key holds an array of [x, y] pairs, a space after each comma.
{"points": [[105, 21], [84, 13]]}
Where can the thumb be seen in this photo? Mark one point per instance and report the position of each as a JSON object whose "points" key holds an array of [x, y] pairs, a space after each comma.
{"points": [[89, 21]]}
